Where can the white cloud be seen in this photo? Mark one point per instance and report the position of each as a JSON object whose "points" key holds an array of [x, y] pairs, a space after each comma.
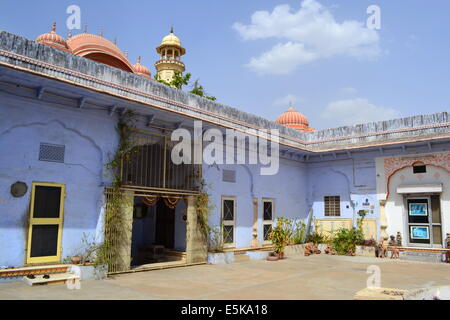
{"points": [[286, 100], [282, 59], [309, 34], [357, 111], [348, 91]]}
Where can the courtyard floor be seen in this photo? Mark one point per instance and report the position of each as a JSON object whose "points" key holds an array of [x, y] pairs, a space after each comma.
{"points": [[297, 277]]}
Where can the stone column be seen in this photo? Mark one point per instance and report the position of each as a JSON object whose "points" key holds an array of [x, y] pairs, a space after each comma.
{"points": [[383, 221], [196, 245], [125, 247]]}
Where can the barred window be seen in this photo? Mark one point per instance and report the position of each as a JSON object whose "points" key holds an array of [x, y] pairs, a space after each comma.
{"points": [[268, 211], [228, 221], [332, 206]]}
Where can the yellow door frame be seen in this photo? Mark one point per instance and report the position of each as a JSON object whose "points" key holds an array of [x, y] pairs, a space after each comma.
{"points": [[46, 221]]}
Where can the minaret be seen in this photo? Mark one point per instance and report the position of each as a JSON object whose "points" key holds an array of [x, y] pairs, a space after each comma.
{"points": [[170, 50]]}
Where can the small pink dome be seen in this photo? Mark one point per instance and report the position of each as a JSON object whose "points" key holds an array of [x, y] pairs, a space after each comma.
{"points": [[295, 120], [53, 39], [141, 70]]}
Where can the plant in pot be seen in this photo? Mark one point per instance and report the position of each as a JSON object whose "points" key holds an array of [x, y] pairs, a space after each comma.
{"points": [[75, 259], [281, 235], [87, 252]]}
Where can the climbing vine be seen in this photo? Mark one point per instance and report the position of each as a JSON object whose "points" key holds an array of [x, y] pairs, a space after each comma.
{"points": [[203, 206], [115, 235]]}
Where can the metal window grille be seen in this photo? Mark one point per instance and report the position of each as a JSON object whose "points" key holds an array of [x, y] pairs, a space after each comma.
{"points": [[51, 152], [267, 218], [150, 165], [229, 176], [332, 206]]}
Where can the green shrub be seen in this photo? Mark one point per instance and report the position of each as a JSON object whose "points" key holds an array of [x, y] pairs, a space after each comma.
{"points": [[346, 240], [281, 234], [298, 232], [317, 238]]}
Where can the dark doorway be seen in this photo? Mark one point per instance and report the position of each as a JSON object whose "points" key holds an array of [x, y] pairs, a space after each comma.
{"points": [[165, 225]]}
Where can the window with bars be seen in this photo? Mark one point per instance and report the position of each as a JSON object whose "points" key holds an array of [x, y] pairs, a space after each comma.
{"points": [[267, 218], [332, 206], [228, 221]]}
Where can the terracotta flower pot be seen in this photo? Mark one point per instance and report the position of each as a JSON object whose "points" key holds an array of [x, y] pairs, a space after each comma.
{"points": [[75, 259], [272, 258], [280, 255]]}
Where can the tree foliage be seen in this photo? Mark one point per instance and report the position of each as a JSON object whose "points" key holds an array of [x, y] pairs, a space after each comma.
{"points": [[179, 80]]}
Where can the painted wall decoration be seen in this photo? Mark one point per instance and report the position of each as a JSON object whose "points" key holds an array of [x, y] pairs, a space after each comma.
{"points": [[391, 165], [364, 204], [394, 164]]}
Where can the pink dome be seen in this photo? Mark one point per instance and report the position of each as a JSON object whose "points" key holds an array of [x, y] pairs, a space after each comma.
{"points": [[295, 120]]}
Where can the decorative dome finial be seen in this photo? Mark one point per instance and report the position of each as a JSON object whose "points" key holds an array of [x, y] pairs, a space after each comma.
{"points": [[171, 29], [54, 27]]}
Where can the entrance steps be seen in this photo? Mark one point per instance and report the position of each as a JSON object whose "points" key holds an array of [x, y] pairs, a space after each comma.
{"points": [[434, 257], [241, 257], [54, 278]]}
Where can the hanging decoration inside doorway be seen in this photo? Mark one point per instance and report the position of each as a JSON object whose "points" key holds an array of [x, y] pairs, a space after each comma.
{"points": [[171, 202], [150, 200]]}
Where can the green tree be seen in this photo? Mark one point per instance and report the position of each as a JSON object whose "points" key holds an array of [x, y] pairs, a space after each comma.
{"points": [[179, 80], [200, 91]]}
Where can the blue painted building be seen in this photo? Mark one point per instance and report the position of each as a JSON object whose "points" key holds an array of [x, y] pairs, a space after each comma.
{"points": [[58, 119]]}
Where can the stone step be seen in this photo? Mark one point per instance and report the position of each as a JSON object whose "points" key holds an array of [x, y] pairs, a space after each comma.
{"points": [[55, 278], [241, 258], [422, 256]]}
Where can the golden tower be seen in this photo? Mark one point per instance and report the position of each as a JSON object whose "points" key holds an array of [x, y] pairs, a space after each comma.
{"points": [[170, 51]]}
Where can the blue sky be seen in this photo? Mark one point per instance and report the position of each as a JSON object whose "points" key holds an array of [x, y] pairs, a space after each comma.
{"points": [[319, 54]]}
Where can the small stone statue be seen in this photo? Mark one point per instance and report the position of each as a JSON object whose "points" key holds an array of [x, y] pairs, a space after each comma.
{"points": [[381, 249], [395, 252], [399, 239], [392, 241]]}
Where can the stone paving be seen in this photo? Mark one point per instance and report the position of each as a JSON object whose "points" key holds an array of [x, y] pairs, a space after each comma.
{"points": [[297, 277]]}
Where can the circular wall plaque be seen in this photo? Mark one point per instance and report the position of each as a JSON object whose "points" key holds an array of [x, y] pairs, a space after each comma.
{"points": [[18, 189]]}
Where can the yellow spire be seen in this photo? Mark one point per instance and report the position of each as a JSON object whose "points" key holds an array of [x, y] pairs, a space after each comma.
{"points": [[170, 51]]}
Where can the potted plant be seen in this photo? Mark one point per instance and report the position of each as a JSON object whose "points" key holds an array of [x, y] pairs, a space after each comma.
{"points": [[280, 236]]}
